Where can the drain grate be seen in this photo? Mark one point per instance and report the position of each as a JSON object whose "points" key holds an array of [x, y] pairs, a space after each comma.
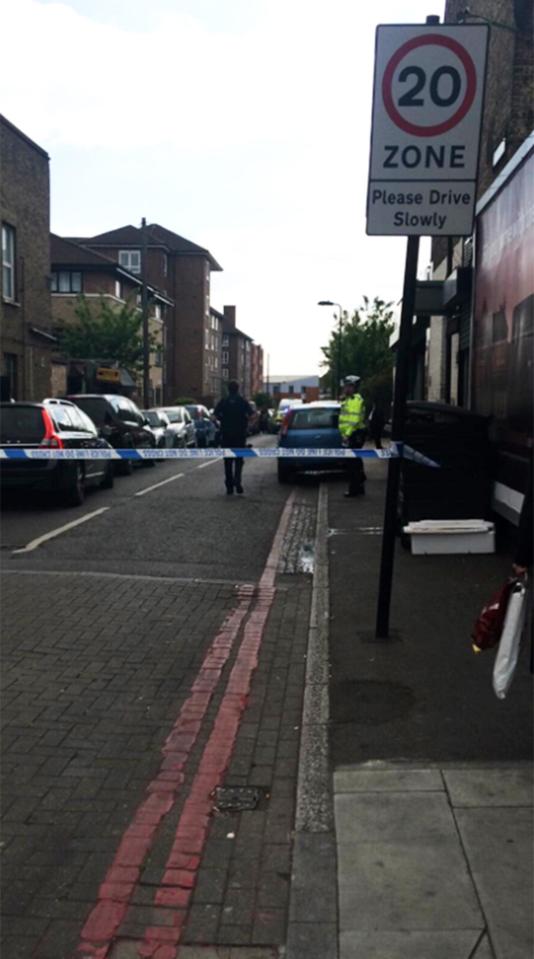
{"points": [[237, 798]]}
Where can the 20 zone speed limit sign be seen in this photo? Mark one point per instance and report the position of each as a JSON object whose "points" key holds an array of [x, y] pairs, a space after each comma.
{"points": [[427, 111]]}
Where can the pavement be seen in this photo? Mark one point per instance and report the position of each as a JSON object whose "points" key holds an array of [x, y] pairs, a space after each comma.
{"points": [[430, 776], [377, 797]]}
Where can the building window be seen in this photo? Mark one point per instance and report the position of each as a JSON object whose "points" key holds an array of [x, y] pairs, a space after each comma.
{"points": [[157, 312], [225, 373], [165, 264], [8, 262], [10, 389], [66, 281], [225, 356], [226, 340], [130, 260]]}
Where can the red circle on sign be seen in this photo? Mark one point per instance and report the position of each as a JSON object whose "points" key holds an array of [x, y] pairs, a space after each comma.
{"points": [[468, 65]]}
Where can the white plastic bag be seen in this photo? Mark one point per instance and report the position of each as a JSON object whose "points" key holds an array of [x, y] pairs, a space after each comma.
{"points": [[508, 651]]}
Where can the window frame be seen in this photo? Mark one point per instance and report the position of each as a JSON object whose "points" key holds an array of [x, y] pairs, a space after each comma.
{"points": [[127, 254], [9, 266]]}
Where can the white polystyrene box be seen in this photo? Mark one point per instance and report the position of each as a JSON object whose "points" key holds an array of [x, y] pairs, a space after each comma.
{"points": [[447, 536]]}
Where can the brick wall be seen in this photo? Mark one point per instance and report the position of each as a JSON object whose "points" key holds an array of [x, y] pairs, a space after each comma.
{"points": [[25, 206]]}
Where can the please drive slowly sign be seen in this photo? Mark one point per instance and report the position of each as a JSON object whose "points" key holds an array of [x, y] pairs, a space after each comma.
{"points": [[427, 111]]}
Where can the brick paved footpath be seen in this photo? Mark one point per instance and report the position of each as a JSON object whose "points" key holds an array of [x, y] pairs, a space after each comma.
{"points": [[88, 705]]}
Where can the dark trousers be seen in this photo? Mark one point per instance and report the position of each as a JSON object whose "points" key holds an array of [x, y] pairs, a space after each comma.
{"points": [[356, 475], [355, 471], [233, 468]]}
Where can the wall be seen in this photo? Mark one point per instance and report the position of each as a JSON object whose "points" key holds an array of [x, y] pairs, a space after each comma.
{"points": [[25, 205]]}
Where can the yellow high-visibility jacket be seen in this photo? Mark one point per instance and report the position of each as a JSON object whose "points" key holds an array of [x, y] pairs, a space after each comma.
{"points": [[351, 415]]}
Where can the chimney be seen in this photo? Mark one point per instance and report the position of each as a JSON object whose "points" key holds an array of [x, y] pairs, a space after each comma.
{"points": [[229, 316]]}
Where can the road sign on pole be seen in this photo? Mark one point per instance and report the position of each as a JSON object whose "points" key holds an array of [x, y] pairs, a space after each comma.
{"points": [[427, 111]]}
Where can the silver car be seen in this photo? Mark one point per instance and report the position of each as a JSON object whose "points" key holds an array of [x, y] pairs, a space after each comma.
{"points": [[180, 430]]}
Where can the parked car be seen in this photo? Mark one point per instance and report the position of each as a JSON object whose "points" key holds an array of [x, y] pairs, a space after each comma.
{"points": [[119, 421], [158, 422], [254, 420], [180, 429], [313, 425], [283, 406], [205, 426], [52, 424]]}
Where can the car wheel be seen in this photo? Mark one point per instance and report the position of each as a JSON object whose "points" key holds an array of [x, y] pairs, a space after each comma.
{"points": [[284, 473], [109, 478], [75, 493]]}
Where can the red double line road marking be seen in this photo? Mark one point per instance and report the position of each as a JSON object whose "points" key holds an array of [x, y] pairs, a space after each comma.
{"points": [[122, 878]]}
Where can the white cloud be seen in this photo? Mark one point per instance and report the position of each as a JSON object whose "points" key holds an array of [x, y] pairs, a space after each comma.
{"points": [[249, 136]]}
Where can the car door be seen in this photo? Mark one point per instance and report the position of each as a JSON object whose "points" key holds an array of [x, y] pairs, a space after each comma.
{"points": [[75, 434], [95, 469]]}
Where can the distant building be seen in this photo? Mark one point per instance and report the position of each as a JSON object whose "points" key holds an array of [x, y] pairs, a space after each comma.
{"points": [[236, 352], [181, 270], [25, 317], [78, 271], [284, 387], [257, 370]]}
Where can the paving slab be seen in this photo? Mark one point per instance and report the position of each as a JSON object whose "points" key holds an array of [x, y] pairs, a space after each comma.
{"points": [[490, 787], [498, 844], [387, 780], [408, 945], [363, 817], [412, 884]]}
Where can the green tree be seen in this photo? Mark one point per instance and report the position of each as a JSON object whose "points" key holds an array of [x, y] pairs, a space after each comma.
{"points": [[361, 347], [105, 333], [262, 400]]}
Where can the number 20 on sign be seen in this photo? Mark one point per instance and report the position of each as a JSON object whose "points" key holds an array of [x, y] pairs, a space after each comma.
{"points": [[427, 111]]}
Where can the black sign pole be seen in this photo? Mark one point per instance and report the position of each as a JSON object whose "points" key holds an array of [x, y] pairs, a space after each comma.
{"points": [[397, 430]]}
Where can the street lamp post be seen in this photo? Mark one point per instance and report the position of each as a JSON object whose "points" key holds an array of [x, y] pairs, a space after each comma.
{"points": [[337, 381]]}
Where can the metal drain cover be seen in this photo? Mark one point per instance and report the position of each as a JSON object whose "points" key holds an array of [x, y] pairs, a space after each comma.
{"points": [[237, 798]]}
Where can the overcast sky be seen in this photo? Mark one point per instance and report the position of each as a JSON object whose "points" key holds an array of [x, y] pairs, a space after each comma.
{"points": [[242, 125]]}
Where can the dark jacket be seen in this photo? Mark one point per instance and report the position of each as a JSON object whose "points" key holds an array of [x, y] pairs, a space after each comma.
{"points": [[233, 414]]}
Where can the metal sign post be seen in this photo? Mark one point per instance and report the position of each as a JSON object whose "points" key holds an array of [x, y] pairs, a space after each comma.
{"points": [[427, 110]]}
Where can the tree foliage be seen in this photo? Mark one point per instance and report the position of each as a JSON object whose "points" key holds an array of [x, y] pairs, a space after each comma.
{"points": [[263, 400], [104, 332], [361, 347]]}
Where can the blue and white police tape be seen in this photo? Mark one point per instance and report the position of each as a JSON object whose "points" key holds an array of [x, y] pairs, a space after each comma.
{"points": [[45, 453]]}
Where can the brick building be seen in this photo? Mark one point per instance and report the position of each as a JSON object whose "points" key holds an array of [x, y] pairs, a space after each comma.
{"points": [[25, 316], [474, 347], [78, 271], [257, 370], [181, 270], [508, 120], [236, 352]]}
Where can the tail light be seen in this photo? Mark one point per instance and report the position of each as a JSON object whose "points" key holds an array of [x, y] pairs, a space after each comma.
{"points": [[50, 439], [286, 423]]}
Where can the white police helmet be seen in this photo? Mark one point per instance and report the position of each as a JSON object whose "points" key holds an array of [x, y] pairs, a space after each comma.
{"points": [[351, 380]]}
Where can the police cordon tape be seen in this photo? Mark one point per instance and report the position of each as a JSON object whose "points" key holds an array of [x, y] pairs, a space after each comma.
{"points": [[44, 453]]}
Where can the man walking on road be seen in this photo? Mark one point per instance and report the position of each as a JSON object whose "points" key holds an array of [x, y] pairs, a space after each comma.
{"points": [[233, 413], [352, 429]]}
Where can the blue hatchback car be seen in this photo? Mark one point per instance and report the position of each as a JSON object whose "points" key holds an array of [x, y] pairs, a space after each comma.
{"points": [[312, 426]]}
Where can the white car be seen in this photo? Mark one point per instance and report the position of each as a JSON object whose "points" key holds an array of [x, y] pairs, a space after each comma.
{"points": [[181, 429]]}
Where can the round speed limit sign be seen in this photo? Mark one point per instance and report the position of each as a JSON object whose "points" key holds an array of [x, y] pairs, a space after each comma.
{"points": [[429, 85], [427, 110]]}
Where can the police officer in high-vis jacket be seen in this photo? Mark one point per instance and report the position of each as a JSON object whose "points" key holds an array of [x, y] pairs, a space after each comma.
{"points": [[352, 429]]}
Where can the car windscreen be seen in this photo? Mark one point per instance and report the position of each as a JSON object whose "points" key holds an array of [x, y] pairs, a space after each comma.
{"points": [[194, 411], [94, 407], [21, 424], [175, 416], [153, 418], [314, 419]]}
